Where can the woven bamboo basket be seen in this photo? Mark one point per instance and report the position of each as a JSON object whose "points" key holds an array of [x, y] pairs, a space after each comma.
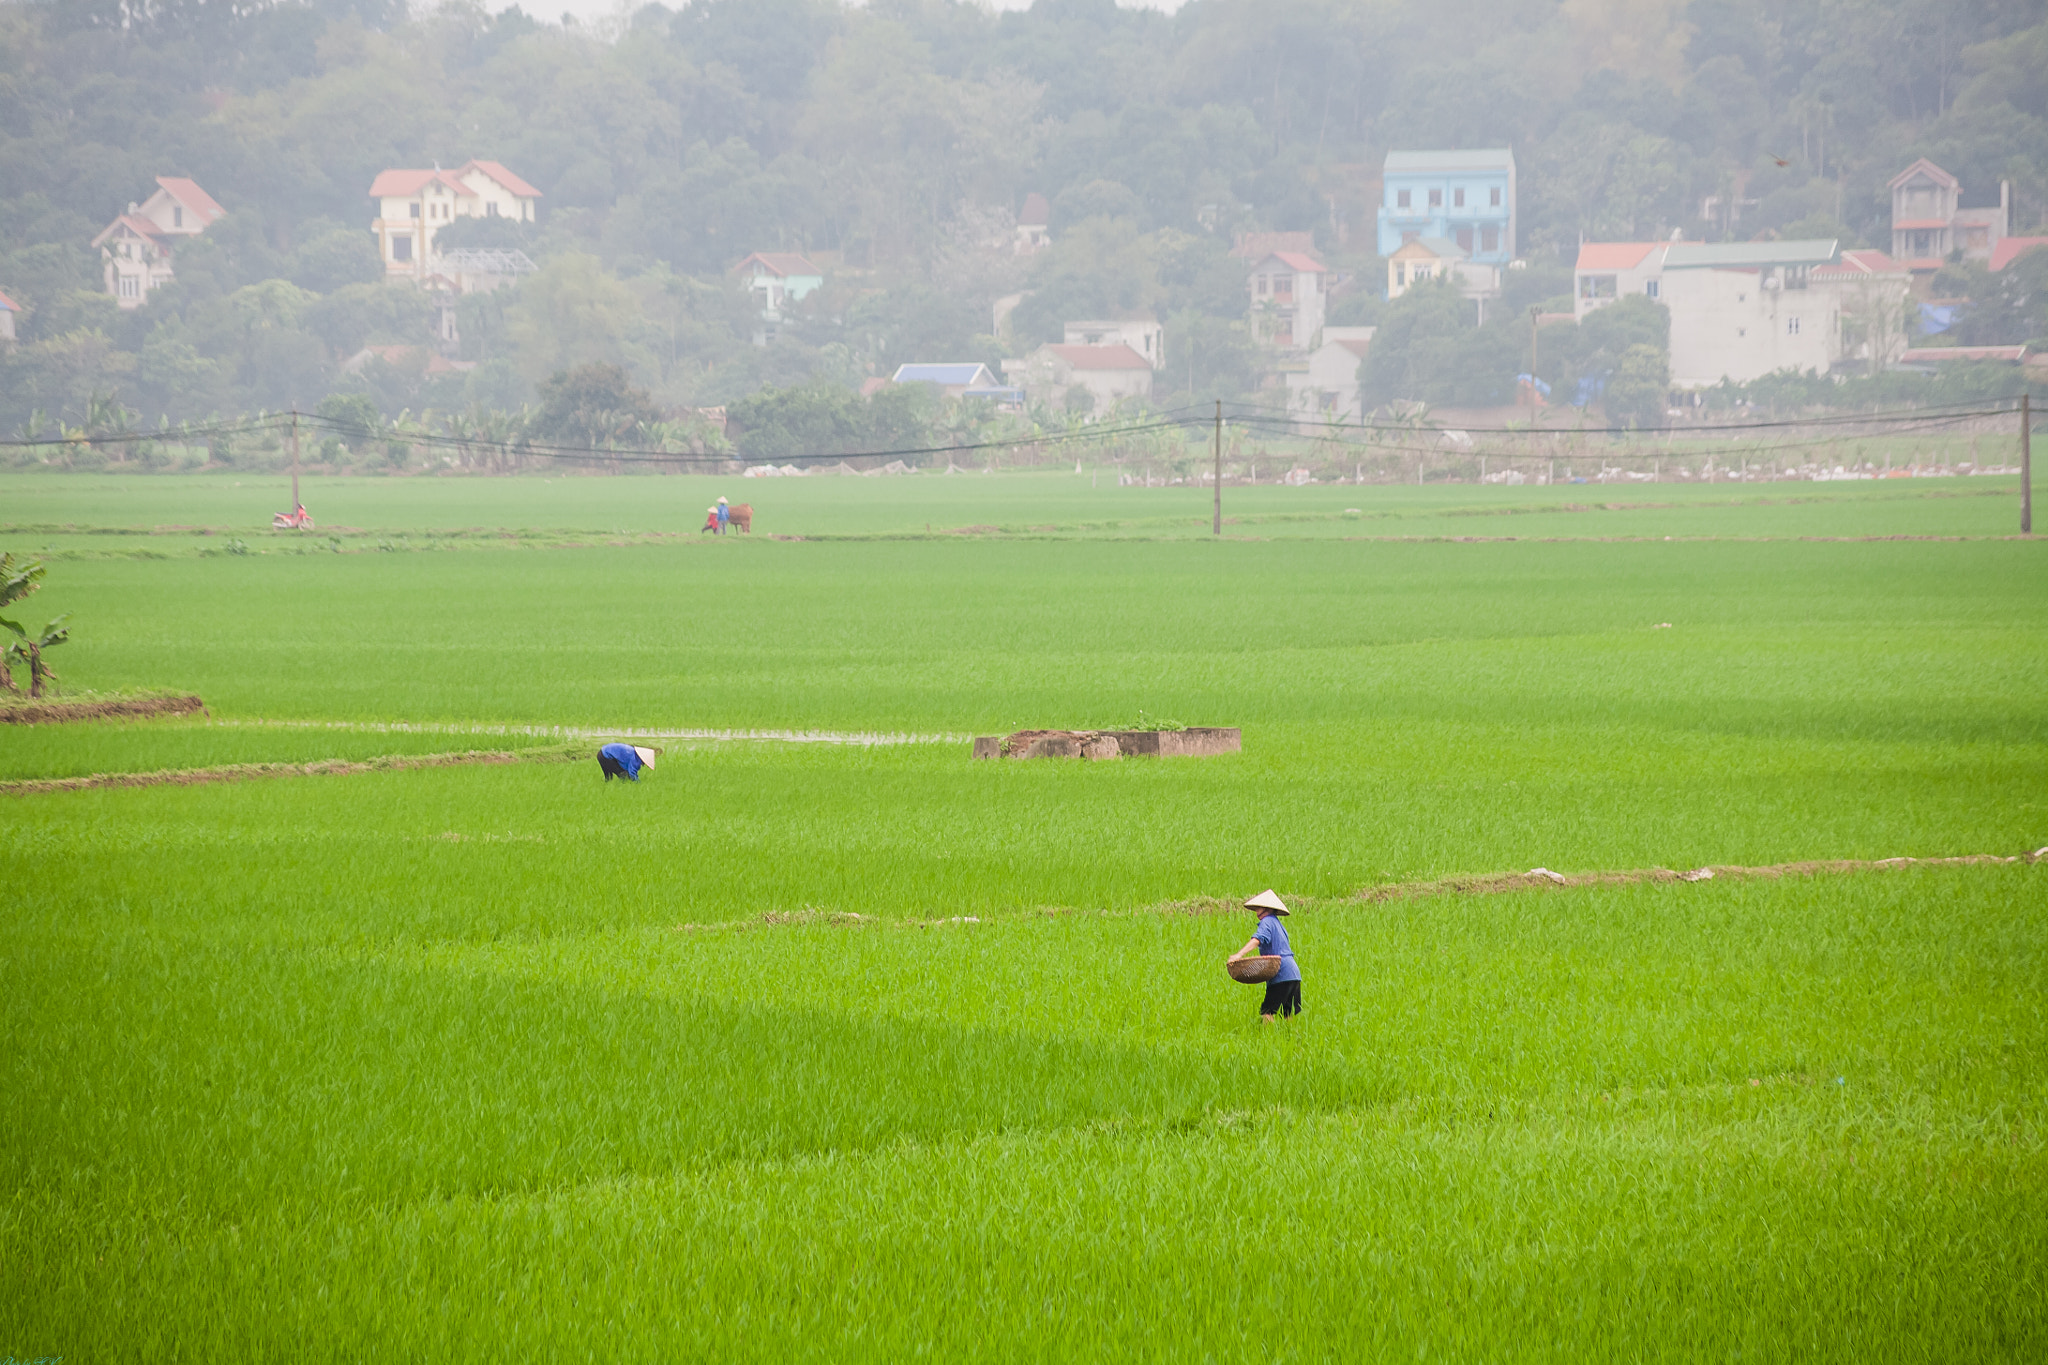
{"points": [[1254, 970]]}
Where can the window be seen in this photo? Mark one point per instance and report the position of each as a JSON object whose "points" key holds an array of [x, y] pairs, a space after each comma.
{"points": [[1494, 200], [1651, 289], [1409, 236], [177, 217], [415, 209], [1400, 274], [1465, 240], [1259, 285], [490, 210], [1404, 199], [1458, 197], [128, 286], [1489, 239], [1596, 286], [401, 248], [1791, 327], [1436, 199]]}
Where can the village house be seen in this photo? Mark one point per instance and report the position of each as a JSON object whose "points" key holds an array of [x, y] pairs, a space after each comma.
{"points": [[953, 378], [9, 311], [1928, 221], [1142, 333], [1432, 258], [1875, 296], [1052, 375], [1286, 299], [1741, 310], [1466, 197], [1607, 271], [779, 277], [1034, 224], [1327, 390], [414, 205], [135, 249]]}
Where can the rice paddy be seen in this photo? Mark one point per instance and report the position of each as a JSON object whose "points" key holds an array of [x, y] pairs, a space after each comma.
{"points": [[868, 1051]]}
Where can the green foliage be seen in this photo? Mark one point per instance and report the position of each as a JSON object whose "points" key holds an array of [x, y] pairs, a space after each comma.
{"points": [[775, 424], [592, 406], [1639, 390], [356, 421], [1430, 349]]}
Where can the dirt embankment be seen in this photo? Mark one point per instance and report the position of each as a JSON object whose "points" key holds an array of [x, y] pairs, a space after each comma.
{"points": [[49, 712], [241, 772]]}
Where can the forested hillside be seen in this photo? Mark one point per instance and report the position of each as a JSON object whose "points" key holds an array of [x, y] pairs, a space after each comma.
{"points": [[895, 141]]}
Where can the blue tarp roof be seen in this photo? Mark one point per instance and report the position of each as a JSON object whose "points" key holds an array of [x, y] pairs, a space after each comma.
{"points": [[947, 374]]}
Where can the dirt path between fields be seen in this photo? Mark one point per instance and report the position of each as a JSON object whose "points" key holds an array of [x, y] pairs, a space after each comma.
{"points": [[1541, 878], [49, 712], [241, 772]]}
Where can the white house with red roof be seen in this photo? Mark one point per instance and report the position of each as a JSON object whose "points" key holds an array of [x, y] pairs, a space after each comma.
{"points": [[135, 249], [413, 205], [1287, 299], [1607, 271], [1140, 331], [779, 277], [1108, 374], [1928, 221], [1328, 389]]}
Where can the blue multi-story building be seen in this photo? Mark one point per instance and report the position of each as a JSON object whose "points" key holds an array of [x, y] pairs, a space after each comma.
{"points": [[1467, 197]]}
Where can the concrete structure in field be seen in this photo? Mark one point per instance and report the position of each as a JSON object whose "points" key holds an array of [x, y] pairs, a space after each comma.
{"points": [[1327, 390], [1194, 742], [135, 249], [1051, 375], [1467, 197], [1286, 299], [1141, 333], [1928, 221], [1741, 310], [414, 205]]}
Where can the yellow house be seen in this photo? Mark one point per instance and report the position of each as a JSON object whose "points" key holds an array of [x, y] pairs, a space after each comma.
{"points": [[1419, 259], [413, 205]]}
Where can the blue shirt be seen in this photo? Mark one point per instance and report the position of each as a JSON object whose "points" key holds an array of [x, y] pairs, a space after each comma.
{"points": [[1272, 938], [626, 756]]}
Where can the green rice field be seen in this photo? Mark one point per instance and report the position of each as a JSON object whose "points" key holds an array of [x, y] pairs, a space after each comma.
{"points": [[826, 1042]]}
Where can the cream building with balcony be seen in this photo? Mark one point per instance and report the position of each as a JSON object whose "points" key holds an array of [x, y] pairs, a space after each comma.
{"points": [[414, 205]]}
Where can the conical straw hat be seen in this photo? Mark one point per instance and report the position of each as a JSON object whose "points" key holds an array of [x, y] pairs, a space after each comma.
{"points": [[646, 755], [1267, 900]]}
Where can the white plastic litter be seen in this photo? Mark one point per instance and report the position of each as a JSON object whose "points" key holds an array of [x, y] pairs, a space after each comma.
{"points": [[1698, 874], [1547, 875]]}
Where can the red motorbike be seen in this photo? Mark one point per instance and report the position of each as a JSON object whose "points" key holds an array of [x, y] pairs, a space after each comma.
{"points": [[294, 520]]}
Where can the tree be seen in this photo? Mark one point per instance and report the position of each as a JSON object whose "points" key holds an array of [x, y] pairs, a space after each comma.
{"points": [[1640, 387], [592, 406], [17, 580]]}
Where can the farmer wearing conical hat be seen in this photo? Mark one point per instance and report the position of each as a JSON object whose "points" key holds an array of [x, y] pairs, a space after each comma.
{"points": [[1283, 992], [625, 760]]}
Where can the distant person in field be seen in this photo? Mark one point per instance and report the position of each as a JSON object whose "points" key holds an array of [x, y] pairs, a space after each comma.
{"points": [[711, 520], [625, 760], [724, 516], [1283, 992]]}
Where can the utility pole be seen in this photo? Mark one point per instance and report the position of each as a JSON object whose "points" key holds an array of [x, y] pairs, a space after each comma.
{"points": [[2026, 464], [1218, 527], [1532, 360], [295, 459]]}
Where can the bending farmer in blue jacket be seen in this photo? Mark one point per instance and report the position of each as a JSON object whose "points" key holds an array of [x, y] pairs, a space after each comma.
{"points": [[624, 760], [1283, 992]]}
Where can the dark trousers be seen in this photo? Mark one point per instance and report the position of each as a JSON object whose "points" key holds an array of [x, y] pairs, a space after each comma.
{"points": [[1282, 997], [612, 767]]}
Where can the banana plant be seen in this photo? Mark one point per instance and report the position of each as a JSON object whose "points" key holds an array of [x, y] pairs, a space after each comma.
{"points": [[24, 643]]}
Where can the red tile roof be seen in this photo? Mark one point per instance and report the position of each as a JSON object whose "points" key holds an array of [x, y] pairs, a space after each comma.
{"points": [[1934, 173], [496, 171], [192, 197], [1037, 213], [1928, 355], [135, 223], [1614, 255], [2010, 249], [9, 304], [1298, 260], [1118, 357], [783, 263], [1860, 263], [406, 184]]}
